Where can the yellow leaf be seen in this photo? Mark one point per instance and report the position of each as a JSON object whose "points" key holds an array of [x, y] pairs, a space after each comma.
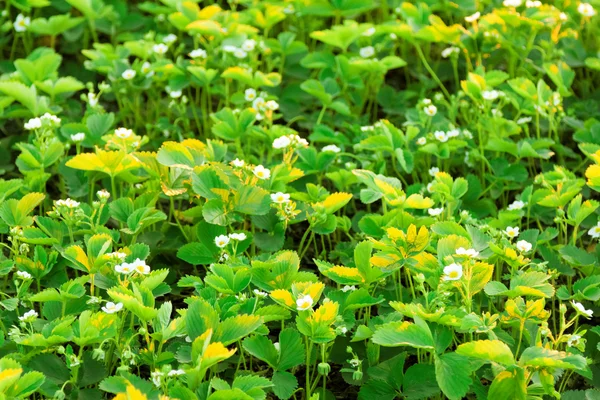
{"points": [[335, 201], [283, 296]]}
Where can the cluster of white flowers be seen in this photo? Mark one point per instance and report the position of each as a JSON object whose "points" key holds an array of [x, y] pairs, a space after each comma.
{"points": [[533, 4], [434, 212], [24, 275], [45, 120], [68, 203], [443, 137], [29, 316], [512, 3], [223, 240], [241, 52], [138, 266], [291, 140], [21, 23], [103, 194], [491, 95], [332, 148]]}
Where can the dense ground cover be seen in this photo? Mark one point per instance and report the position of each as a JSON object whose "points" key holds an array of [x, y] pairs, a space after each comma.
{"points": [[309, 199]]}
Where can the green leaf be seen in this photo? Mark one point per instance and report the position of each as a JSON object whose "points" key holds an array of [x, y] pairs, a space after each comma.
{"points": [[27, 96], [419, 382], [489, 350], [262, 348], [453, 374], [252, 200], [542, 357], [509, 384], [292, 351], [404, 333], [285, 384]]}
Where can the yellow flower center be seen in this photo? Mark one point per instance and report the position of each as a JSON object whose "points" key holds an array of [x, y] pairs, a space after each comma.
{"points": [[453, 274]]}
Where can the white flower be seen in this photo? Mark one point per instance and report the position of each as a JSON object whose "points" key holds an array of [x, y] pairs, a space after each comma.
{"points": [[262, 172], [435, 211], [250, 94], [280, 197], [533, 4], [147, 69], [331, 148], [369, 32], [78, 137], [573, 340], [50, 119], [453, 272], [69, 203], [123, 133], [33, 123], [430, 110], [175, 94], [197, 53], [92, 99], [258, 104], [239, 53], [473, 17], [441, 136], [140, 266], [430, 187], [523, 120], [348, 288], [156, 377], [453, 133], [176, 372], [124, 268], [21, 23], [229, 48], [511, 232], [111, 308], [421, 141], [260, 293], [160, 48], [595, 231], [128, 74], [512, 3], [366, 52], [584, 9], [304, 303], [581, 309], [238, 163], [516, 205], [237, 236], [103, 194], [524, 246], [249, 45], [24, 275], [448, 51], [272, 105], [426, 101], [563, 16], [222, 241], [393, 36], [354, 362], [461, 251], [490, 95], [170, 38], [29, 316], [433, 171]]}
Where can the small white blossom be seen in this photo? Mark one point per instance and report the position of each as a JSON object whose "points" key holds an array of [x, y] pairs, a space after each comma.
{"points": [[332, 148], [111, 308], [516, 205], [367, 52], [123, 133], [260, 293], [348, 288], [156, 377], [29, 316], [447, 52], [250, 94], [421, 141], [239, 53], [170, 38], [69, 203], [473, 17], [238, 163], [441, 136], [433, 171], [249, 45], [261, 172], [533, 4], [140, 267], [176, 372], [78, 137], [369, 32], [160, 48], [237, 236], [21, 23], [24, 275], [524, 246], [197, 53], [33, 123], [594, 232], [222, 241], [490, 95], [434, 212], [573, 340], [512, 3], [430, 110], [304, 303], [511, 232], [523, 120], [586, 9], [581, 309], [472, 253], [272, 105], [280, 197], [103, 194], [128, 74], [453, 272]]}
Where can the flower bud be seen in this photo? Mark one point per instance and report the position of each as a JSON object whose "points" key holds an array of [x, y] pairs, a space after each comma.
{"points": [[324, 368], [357, 375]]}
